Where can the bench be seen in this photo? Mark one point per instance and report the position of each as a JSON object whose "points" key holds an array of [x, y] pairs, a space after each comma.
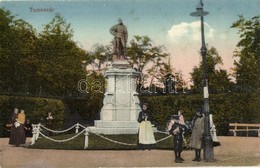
{"points": [[234, 127]]}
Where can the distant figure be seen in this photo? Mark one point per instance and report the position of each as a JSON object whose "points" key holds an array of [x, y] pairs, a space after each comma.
{"points": [[49, 120], [28, 128], [177, 130], [197, 133], [120, 34], [146, 136]]}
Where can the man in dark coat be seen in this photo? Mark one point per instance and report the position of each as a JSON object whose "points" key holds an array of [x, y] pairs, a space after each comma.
{"points": [[197, 133]]}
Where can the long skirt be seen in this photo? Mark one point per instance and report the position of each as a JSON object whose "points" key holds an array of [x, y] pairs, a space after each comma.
{"points": [[146, 135], [17, 136]]}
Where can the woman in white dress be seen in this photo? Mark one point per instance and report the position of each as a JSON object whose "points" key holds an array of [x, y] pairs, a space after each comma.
{"points": [[146, 136]]}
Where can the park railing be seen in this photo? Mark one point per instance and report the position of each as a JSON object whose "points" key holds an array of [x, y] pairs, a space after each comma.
{"points": [[243, 127], [39, 130]]}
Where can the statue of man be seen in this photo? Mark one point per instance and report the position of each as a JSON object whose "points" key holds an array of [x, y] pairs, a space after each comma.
{"points": [[120, 34]]}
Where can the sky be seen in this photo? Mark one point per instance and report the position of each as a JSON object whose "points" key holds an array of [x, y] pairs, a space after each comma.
{"points": [[166, 22]]}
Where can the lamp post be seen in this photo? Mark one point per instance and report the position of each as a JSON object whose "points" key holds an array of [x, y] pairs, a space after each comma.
{"points": [[208, 143]]}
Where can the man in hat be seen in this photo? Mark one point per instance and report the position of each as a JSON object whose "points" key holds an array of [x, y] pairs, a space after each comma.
{"points": [[177, 132], [197, 133], [120, 34]]}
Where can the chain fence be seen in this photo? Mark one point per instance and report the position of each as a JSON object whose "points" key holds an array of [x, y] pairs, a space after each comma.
{"points": [[38, 131]]}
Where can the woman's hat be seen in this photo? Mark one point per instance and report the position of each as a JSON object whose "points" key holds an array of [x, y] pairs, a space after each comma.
{"points": [[175, 117], [198, 111]]}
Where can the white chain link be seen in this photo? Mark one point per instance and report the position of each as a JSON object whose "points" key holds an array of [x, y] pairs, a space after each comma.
{"points": [[163, 132], [62, 131], [101, 136], [64, 140], [122, 143], [81, 126], [164, 138]]}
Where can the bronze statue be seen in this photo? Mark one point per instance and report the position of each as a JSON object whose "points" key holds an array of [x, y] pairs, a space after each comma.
{"points": [[119, 31]]}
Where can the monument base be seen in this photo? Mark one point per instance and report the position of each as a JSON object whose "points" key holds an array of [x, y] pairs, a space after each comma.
{"points": [[113, 131], [115, 127], [121, 105]]}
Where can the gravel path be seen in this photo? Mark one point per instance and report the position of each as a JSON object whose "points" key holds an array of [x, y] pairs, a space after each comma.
{"points": [[234, 151]]}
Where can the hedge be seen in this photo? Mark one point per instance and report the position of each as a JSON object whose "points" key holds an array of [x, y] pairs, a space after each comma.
{"points": [[35, 109], [226, 108]]}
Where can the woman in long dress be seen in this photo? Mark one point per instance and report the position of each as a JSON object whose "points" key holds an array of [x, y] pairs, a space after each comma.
{"points": [[12, 139], [146, 136]]}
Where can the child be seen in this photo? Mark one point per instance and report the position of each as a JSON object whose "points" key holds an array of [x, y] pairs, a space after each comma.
{"points": [[177, 132]]}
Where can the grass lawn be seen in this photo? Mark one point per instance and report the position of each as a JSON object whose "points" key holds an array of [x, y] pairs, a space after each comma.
{"points": [[98, 143]]}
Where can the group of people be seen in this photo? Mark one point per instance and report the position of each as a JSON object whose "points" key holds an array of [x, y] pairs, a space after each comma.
{"points": [[176, 127], [22, 127]]}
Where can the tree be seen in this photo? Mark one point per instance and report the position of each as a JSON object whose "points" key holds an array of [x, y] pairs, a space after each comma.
{"points": [[97, 59], [248, 51], [17, 53], [217, 79], [60, 59], [146, 57]]}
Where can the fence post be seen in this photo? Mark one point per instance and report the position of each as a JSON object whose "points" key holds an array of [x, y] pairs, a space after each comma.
{"points": [[86, 138], [34, 131], [235, 132], [37, 131], [77, 128]]}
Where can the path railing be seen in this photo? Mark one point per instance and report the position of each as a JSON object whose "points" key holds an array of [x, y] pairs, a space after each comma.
{"points": [[38, 131]]}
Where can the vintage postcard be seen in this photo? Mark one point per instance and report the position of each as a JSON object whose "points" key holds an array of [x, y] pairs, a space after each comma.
{"points": [[129, 83]]}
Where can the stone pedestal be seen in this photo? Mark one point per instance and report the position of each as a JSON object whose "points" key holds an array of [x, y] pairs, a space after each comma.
{"points": [[121, 105]]}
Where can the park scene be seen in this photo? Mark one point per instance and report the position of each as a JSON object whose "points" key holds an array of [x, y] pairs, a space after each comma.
{"points": [[133, 83]]}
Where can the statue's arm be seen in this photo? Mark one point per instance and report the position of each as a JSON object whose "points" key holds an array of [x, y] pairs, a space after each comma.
{"points": [[113, 30]]}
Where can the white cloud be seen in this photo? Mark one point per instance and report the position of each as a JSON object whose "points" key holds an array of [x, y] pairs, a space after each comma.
{"points": [[188, 32], [184, 43]]}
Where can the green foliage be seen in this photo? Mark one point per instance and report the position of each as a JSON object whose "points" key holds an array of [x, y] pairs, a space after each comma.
{"points": [[17, 53], [36, 110], [60, 59], [48, 64], [97, 58], [225, 108], [248, 51], [143, 53], [92, 100], [217, 79]]}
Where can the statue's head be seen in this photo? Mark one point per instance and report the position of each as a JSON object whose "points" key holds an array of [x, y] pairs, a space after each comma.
{"points": [[120, 21]]}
